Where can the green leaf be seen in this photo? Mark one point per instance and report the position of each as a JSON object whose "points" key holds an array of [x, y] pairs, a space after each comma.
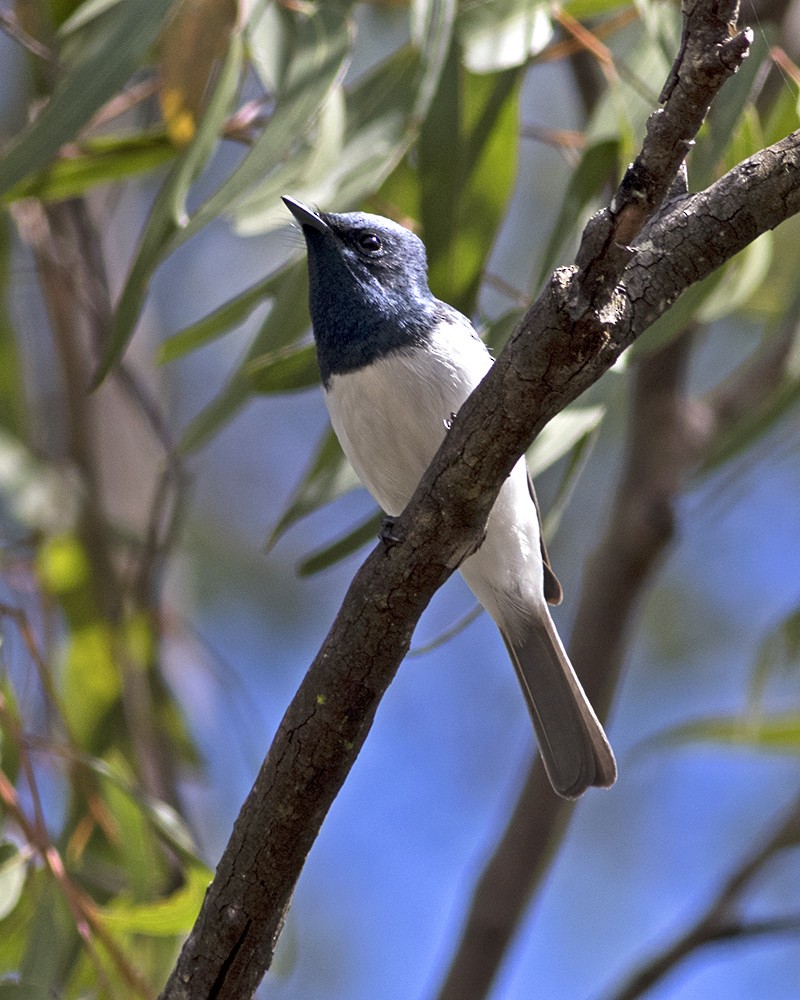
{"points": [[128, 31], [779, 649], [95, 161], [597, 168], [576, 463], [12, 394], [742, 276], [24, 990], [778, 732], [319, 55], [753, 426], [13, 872], [230, 315], [287, 320], [677, 317], [166, 917], [342, 547], [467, 164], [329, 476], [167, 215], [287, 370], [502, 34], [561, 434], [362, 132], [162, 817]]}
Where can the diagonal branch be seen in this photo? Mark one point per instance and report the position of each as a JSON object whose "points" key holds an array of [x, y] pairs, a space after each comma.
{"points": [[669, 435], [571, 335]]}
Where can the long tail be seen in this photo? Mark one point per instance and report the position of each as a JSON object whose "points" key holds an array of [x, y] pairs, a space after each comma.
{"points": [[574, 749]]}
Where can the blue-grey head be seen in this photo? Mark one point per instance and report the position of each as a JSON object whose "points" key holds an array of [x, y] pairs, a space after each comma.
{"points": [[368, 287]]}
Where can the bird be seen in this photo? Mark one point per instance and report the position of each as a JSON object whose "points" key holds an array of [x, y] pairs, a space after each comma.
{"points": [[396, 364]]}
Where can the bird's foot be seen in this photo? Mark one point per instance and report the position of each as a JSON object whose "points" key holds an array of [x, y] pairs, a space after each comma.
{"points": [[387, 533]]}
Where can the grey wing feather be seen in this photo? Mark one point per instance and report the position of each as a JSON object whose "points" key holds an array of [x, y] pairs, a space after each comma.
{"points": [[553, 591]]}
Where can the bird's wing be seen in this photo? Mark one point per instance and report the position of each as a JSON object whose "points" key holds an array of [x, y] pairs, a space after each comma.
{"points": [[553, 591]]}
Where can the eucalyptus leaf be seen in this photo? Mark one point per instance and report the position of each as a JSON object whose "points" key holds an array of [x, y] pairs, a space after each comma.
{"points": [[777, 732], [561, 434], [320, 49], [286, 370], [167, 216], [13, 872], [329, 476], [502, 34], [128, 30], [286, 321], [595, 171], [163, 917], [467, 165], [96, 161], [233, 313], [344, 546], [362, 131]]}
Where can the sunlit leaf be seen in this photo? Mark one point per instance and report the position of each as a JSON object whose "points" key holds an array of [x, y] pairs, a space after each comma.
{"points": [[165, 917], [192, 45], [561, 434], [778, 732], [228, 316], [353, 540], [741, 277], [329, 476], [128, 30], [467, 162], [287, 320], [319, 53], [287, 370], [168, 214], [93, 162], [502, 34], [13, 871], [362, 131]]}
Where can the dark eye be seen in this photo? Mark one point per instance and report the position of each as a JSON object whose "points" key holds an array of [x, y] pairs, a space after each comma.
{"points": [[369, 242]]}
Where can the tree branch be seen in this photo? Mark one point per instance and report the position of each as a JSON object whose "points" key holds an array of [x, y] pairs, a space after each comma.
{"points": [[571, 335], [669, 434], [616, 576], [718, 921]]}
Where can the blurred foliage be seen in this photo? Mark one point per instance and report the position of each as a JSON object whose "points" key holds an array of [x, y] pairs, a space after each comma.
{"points": [[97, 889]]}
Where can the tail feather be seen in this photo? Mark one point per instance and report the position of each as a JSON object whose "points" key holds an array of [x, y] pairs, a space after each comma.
{"points": [[575, 751]]}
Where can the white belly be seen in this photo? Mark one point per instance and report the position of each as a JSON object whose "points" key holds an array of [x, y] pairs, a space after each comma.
{"points": [[391, 417]]}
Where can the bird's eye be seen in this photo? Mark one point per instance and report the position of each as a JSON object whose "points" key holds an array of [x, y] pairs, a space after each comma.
{"points": [[369, 242]]}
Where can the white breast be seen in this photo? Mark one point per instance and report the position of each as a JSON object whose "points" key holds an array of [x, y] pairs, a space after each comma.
{"points": [[390, 418], [392, 415]]}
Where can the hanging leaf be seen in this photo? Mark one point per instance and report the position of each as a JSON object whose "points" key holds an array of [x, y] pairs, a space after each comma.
{"points": [[778, 732], [287, 370], [126, 33], [167, 215], [192, 46], [467, 164], [329, 476], [232, 314], [286, 322], [366, 532], [13, 872], [503, 34], [93, 162], [561, 434]]}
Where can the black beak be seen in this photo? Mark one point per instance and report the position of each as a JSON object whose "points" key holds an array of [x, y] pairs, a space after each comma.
{"points": [[304, 215]]}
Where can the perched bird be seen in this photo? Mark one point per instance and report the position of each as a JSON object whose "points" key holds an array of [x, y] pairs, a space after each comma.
{"points": [[396, 364]]}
